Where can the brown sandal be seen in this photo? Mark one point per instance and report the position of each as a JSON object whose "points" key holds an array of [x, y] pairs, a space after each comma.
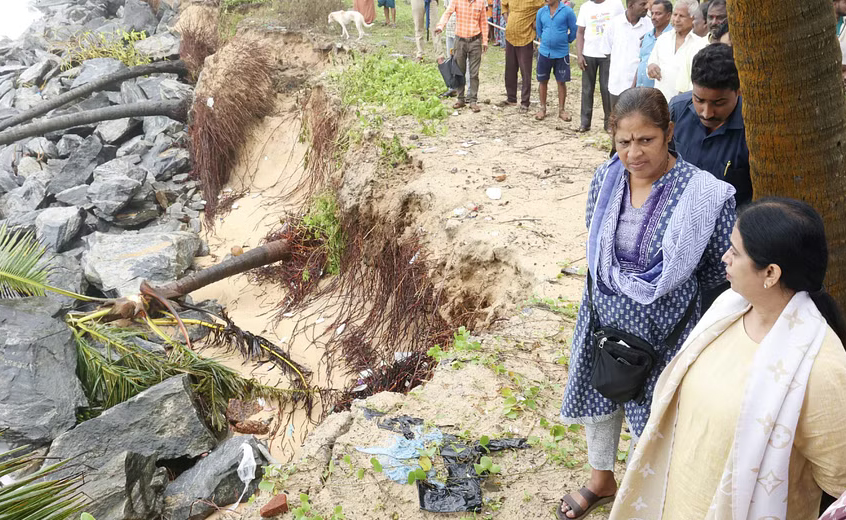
{"points": [[592, 500]]}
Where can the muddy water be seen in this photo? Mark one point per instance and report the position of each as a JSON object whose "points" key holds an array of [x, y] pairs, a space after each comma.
{"points": [[269, 169]]}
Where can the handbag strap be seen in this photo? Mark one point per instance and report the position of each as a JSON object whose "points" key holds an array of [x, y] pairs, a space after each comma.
{"points": [[674, 335]]}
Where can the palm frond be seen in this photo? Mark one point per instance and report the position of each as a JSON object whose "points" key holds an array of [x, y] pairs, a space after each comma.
{"points": [[22, 269], [32, 497], [124, 369]]}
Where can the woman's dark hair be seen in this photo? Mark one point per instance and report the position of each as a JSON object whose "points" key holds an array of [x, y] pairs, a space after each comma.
{"points": [[646, 101], [713, 67], [790, 234]]}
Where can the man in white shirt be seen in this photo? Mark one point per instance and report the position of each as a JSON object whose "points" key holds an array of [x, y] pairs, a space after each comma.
{"points": [[670, 61], [622, 43], [594, 17]]}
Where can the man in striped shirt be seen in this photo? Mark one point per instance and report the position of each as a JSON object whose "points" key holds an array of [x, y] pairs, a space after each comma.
{"points": [[471, 40]]}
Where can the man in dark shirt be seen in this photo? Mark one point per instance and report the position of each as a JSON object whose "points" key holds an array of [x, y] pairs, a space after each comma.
{"points": [[709, 131]]}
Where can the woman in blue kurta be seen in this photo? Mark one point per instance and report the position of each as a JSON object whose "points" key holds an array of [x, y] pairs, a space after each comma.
{"points": [[658, 227]]}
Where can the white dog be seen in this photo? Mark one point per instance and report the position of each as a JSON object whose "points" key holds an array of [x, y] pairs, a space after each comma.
{"points": [[345, 17]]}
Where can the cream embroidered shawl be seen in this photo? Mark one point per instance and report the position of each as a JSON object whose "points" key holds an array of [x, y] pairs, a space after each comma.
{"points": [[754, 482]]}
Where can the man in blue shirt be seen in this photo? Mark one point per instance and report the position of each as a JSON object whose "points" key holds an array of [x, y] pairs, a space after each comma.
{"points": [[662, 12], [709, 131], [556, 27]]}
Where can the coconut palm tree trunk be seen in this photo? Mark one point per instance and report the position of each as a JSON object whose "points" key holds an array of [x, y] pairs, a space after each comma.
{"points": [[260, 256], [794, 109], [95, 86], [177, 110]]}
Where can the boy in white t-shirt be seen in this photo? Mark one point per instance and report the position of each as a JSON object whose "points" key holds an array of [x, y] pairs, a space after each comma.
{"points": [[594, 17]]}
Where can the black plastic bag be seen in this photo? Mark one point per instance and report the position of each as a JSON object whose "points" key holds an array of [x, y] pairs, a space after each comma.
{"points": [[452, 74]]}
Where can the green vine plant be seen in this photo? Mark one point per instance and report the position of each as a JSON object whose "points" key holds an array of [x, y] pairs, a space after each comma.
{"points": [[304, 511], [118, 45]]}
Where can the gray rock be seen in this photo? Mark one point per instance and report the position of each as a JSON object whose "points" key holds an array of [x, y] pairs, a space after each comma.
{"points": [[130, 92], [29, 166], [34, 74], [6, 85], [96, 68], [67, 144], [7, 100], [162, 421], [116, 129], [79, 168], [120, 262], [56, 227], [155, 125], [125, 166], [112, 193], [76, 196], [8, 181], [40, 392], [10, 155], [27, 198], [66, 273], [136, 214], [162, 46], [27, 97], [53, 88], [138, 16], [213, 479], [41, 148], [164, 88], [24, 222], [167, 163], [127, 487], [135, 146]]}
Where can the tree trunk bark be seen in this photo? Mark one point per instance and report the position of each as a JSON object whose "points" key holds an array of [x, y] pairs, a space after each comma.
{"points": [[794, 110], [258, 257], [96, 85], [177, 110]]}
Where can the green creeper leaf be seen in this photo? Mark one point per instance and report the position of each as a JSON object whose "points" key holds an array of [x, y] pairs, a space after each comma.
{"points": [[360, 473], [303, 499], [265, 485], [347, 459], [425, 463], [377, 466], [86, 516], [495, 469]]}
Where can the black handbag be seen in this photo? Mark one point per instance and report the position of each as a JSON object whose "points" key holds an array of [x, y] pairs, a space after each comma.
{"points": [[622, 361]]}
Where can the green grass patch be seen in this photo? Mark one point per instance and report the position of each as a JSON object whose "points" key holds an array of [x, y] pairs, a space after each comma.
{"points": [[402, 87]]}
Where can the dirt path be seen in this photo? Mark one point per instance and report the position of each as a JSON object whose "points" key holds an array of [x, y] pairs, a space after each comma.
{"points": [[497, 200]]}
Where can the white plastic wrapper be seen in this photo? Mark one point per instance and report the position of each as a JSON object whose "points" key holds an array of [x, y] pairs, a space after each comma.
{"points": [[246, 471]]}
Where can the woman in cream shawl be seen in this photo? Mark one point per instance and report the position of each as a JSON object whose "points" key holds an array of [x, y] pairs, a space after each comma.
{"points": [[749, 419]]}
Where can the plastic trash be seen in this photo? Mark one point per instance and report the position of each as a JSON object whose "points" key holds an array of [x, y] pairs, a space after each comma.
{"points": [[246, 471], [463, 490]]}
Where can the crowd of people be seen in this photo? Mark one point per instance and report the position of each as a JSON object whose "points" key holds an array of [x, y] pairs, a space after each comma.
{"points": [[704, 323]]}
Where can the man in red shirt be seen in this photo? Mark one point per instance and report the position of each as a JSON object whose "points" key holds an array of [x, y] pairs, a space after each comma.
{"points": [[471, 40]]}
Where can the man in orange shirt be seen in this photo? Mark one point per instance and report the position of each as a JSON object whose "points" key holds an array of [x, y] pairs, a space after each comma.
{"points": [[471, 40]]}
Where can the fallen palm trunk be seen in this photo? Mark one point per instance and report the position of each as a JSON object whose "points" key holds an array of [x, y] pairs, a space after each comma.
{"points": [[95, 86], [258, 257], [177, 110]]}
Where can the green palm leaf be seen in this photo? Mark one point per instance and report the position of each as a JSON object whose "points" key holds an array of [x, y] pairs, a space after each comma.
{"points": [[22, 271], [32, 498]]}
